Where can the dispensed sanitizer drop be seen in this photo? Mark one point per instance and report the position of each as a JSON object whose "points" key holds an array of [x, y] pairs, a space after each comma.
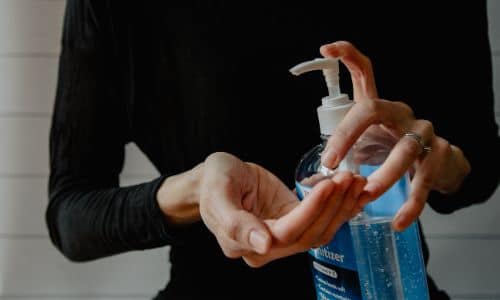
{"points": [[365, 259]]}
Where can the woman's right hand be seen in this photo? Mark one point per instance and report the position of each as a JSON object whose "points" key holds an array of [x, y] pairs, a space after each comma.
{"points": [[253, 215]]}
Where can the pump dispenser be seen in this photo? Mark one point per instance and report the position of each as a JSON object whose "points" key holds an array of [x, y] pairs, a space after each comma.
{"points": [[365, 259], [334, 106]]}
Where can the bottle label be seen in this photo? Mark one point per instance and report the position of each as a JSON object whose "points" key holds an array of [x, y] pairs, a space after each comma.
{"points": [[334, 265]]}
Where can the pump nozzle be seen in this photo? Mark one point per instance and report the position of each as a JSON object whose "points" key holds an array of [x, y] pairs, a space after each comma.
{"points": [[336, 104], [330, 67]]}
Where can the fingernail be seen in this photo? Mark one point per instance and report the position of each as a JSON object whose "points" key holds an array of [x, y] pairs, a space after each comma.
{"points": [[371, 188], [330, 50], [399, 222], [331, 45], [324, 48], [258, 240], [328, 158]]}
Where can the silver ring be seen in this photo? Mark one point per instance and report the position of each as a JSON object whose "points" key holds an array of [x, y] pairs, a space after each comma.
{"points": [[427, 149], [419, 140]]}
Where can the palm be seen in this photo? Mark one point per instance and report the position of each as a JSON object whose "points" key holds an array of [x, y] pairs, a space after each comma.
{"points": [[238, 198], [268, 197]]}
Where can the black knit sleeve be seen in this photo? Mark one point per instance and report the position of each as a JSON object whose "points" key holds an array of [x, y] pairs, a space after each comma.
{"points": [[470, 113], [89, 215]]}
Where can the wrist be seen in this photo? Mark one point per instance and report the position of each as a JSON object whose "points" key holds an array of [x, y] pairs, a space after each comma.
{"points": [[460, 167], [463, 163], [178, 197]]}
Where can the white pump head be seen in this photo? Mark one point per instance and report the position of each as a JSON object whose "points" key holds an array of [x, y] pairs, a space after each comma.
{"points": [[335, 105]]}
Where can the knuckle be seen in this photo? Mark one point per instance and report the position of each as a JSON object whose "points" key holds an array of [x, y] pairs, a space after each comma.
{"points": [[410, 148], [443, 144], [427, 181], [427, 126], [373, 106], [231, 227], [374, 109], [405, 109]]}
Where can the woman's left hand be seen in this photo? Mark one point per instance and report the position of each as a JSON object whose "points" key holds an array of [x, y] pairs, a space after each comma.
{"points": [[438, 165]]}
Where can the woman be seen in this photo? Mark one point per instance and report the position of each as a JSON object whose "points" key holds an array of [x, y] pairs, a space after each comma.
{"points": [[185, 82]]}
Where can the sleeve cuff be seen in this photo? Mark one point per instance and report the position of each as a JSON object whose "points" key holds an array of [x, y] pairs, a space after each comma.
{"points": [[165, 233]]}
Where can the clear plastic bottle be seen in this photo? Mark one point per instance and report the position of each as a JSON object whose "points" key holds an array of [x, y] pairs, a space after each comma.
{"points": [[365, 259]]}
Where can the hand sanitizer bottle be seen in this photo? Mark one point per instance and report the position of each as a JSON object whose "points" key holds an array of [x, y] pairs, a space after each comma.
{"points": [[365, 259]]}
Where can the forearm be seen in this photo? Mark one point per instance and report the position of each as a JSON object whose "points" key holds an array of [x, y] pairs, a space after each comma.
{"points": [[86, 223]]}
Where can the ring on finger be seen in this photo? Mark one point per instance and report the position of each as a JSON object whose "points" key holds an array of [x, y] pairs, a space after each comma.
{"points": [[418, 138]]}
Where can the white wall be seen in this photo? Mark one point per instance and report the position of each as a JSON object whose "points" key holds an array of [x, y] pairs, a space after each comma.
{"points": [[464, 246], [30, 267]]}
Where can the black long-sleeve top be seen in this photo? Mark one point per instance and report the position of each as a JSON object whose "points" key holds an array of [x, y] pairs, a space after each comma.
{"points": [[184, 80]]}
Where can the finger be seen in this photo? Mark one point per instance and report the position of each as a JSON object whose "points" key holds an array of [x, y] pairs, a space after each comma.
{"points": [[256, 260], [359, 67], [283, 250], [223, 213], [395, 115], [410, 211], [250, 233], [356, 210], [345, 211], [290, 227], [228, 222], [231, 248], [421, 185], [355, 122], [312, 236], [399, 161]]}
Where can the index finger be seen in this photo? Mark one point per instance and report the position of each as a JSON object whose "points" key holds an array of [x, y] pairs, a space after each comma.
{"points": [[394, 115], [291, 226], [400, 160], [359, 67], [395, 166]]}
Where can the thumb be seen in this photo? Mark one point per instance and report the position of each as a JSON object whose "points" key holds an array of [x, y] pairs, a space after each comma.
{"points": [[249, 232]]}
